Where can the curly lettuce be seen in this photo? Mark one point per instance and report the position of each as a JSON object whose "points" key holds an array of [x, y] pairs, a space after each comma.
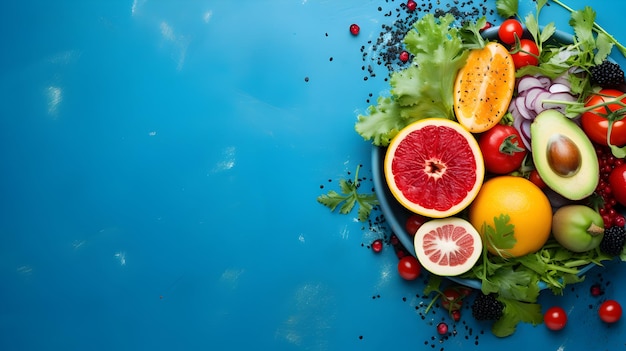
{"points": [[425, 88]]}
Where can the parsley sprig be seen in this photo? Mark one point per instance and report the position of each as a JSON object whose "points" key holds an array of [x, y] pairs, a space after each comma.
{"points": [[349, 197], [590, 47], [597, 28]]}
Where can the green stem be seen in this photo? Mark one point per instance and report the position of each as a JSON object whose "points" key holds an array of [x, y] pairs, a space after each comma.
{"points": [[356, 175], [562, 269], [576, 263], [598, 29]]}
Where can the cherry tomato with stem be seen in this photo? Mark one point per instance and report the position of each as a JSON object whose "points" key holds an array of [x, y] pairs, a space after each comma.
{"points": [[555, 318], [409, 268], [509, 30], [595, 122], [502, 149], [610, 311], [527, 53]]}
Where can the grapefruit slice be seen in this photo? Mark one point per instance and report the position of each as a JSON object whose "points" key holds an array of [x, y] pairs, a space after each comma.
{"points": [[448, 246], [484, 87], [434, 167]]}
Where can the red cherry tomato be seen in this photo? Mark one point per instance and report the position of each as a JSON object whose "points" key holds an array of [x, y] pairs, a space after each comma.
{"points": [[610, 311], [502, 149], [535, 178], [555, 318], [510, 29], [414, 222], [596, 125], [527, 54], [409, 268], [617, 181]]}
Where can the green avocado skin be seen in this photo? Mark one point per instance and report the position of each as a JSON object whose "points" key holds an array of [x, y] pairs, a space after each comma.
{"points": [[547, 126], [577, 227]]}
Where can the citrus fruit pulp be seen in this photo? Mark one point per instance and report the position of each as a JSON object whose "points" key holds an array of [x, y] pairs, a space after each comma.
{"points": [[448, 246], [434, 167], [484, 87], [527, 207]]}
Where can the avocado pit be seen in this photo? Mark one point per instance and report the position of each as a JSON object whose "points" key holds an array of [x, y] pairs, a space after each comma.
{"points": [[564, 157]]}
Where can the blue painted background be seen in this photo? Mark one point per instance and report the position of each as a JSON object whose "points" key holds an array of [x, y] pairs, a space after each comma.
{"points": [[159, 166]]}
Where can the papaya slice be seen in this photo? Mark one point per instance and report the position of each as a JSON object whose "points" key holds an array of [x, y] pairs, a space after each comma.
{"points": [[484, 87]]}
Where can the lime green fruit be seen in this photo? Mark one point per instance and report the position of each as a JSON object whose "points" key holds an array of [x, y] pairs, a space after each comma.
{"points": [[577, 228]]}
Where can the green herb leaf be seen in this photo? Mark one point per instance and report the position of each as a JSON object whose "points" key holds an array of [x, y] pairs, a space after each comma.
{"points": [[500, 237], [507, 8], [434, 282], [518, 284], [514, 313], [471, 35], [349, 198]]}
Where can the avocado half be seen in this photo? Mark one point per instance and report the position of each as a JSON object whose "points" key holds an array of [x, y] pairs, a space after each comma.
{"points": [[563, 155]]}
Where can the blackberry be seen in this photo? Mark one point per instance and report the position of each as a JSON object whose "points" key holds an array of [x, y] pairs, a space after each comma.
{"points": [[487, 307], [607, 74], [613, 241]]}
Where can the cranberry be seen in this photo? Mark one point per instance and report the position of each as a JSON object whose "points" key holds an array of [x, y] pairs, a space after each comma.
{"points": [[487, 26], [404, 56], [355, 29], [377, 245], [411, 5], [442, 328]]}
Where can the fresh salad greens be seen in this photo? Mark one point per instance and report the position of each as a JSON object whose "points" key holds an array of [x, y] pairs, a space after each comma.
{"points": [[425, 88]]}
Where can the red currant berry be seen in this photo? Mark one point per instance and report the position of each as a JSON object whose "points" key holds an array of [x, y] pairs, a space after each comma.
{"points": [[619, 220], [442, 328], [355, 29], [404, 56], [411, 5], [607, 220], [377, 245], [595, 290], [456, 315], [394, 240]]}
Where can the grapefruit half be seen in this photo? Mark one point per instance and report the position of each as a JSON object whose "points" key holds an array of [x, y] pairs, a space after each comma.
{"points": [[434, 167], [448, 246]]}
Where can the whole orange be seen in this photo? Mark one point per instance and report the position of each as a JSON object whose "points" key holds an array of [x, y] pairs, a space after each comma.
{"points": [[528, 209]]}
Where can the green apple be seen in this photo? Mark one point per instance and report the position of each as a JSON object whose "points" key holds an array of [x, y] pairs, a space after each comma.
{"points": [[577, 227]]}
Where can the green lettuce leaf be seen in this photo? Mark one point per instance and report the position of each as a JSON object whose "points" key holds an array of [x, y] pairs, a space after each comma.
{"points": [[425, 88]]}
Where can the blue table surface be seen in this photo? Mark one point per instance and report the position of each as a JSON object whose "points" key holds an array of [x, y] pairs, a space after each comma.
{"points": [[160, 166]]}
